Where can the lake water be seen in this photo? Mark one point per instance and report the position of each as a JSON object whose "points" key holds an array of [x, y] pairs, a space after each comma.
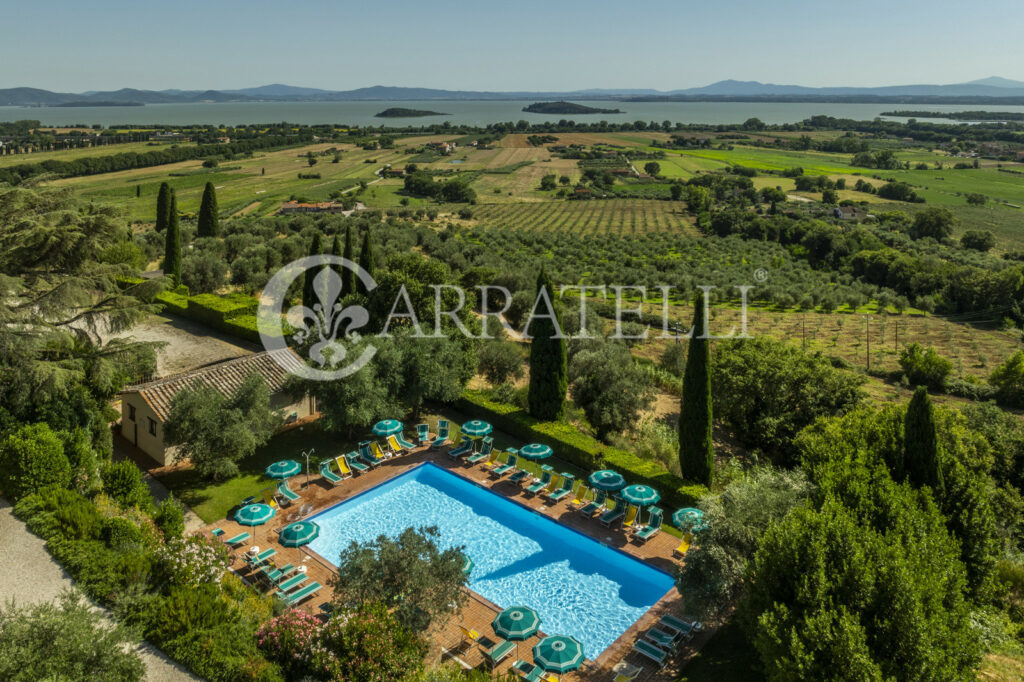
{"points": [[472, 112]]}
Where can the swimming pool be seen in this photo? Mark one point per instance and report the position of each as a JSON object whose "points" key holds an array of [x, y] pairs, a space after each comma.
{"points": [[577, 585]]}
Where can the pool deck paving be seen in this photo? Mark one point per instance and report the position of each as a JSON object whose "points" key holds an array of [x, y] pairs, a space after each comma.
{"points": [[478, 613]]}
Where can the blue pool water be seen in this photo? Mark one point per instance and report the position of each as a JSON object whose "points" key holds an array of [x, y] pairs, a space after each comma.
{"points": [[577, 585]]}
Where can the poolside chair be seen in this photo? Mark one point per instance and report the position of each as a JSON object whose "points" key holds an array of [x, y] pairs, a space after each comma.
{"points": [[684, 546], [509, 465], [352, 459], [563, 490], [268, 497], [661, 639], [300, 595], [539, 484], [238, 539], [486, 453], [653, 527], [286, 494], [442, 434], [423, 433], [579, 496], [369, 457], [460, 450], [627, 672], [406, 445], [614, 514], [595, 505], [377, 450], [632, 514], [292, 583], [217, 532], [527, 671], [683, 627], [519, 476], [343, 466], [649, 651], [260, 558], [395, 447], [327, 474]]}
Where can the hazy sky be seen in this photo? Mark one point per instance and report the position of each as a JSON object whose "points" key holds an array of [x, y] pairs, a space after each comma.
{"points": [[509, 45]]}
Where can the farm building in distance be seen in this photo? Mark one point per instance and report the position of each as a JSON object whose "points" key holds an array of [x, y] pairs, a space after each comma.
{"points": [[320, 207], [145, 407]]}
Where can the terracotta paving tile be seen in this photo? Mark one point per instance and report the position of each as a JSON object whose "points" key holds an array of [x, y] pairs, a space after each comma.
{"points": [[478, 612]]}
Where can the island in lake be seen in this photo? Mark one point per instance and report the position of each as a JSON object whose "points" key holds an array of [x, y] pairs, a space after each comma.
{"points": [[566, 108], [98, 103], [399, 112]]}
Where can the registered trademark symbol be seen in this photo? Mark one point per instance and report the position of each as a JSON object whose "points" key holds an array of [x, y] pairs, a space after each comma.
{"points": [[761, 275]]}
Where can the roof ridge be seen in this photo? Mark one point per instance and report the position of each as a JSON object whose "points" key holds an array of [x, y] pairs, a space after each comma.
{"points": [[205, 369]]}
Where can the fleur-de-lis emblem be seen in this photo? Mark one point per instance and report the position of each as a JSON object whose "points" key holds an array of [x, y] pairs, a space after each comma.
{"points": [[325, 320]]}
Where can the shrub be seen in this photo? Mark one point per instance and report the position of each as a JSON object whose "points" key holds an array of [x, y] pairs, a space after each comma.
{"points": [[170, 518], [193, 561], [31, 459], [203, 272], [978, 240], [123, 482], [500, 361], [119, 533], [1008, 381], [59, 513], [924, 366], [289, 639], [367, 645]]}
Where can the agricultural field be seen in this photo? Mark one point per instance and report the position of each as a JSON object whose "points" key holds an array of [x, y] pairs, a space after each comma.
{"points": [[621, 216], [7, 160]]}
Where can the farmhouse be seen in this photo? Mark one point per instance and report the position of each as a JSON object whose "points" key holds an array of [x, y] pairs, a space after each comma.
{"points": [[848, 213], [319, 207], [394, 172], [145, 407]]}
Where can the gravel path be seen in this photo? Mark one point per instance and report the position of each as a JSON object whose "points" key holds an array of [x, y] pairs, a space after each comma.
{"points": [[30, 575]]}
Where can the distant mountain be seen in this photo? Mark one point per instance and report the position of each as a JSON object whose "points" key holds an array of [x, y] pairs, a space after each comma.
{"points": [[994, 89]]}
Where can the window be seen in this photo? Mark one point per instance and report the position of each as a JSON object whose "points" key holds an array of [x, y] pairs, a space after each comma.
{"points": [[131, 413], [152, 427]]}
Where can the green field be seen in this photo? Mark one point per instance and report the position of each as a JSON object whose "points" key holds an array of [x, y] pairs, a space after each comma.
{"points": [[594, 216], [72, 154]]}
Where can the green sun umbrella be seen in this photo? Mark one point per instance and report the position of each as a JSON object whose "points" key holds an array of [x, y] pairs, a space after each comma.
{"points": [[687, 517], [298, 534], [476, 428], [607, 480], [558, 654], [286, 468], [535, 451], [516, 623], [387, 427], [642, 495], [255, 514]]}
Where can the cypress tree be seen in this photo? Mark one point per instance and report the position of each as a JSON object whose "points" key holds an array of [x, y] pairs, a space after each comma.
{"points": [[172, 242], [696, 449], [348, 276], [163, 202], [209, 221], [366, 259], [308, 292], [548, 362], [921, 443], [138, 191]]}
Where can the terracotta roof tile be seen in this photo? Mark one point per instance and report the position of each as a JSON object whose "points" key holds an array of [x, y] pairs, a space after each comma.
{"points": [[224, 376]]}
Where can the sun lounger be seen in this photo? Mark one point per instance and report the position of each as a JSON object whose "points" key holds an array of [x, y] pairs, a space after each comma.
{"points": [[300, 595], [613, 515], [268, 497], [528, 671], [376, 449], [564, 490], [394, 446], [406, 445], [292, 583], [496, 653], [460, 449], [648, 650], [286, 494], [277, 575], [352, 459], [661, 639], [442, 434], [343, 466], [627, 672], [519, 476], [217, 532], [509, 466], [260, 558], [653, 527], [632, 514], [580, 497], [328, 475], [423, 433], [595, 505], [238, 539], [477, 457], [683, 547], [674, 624], [540, 483], [369, 456]]}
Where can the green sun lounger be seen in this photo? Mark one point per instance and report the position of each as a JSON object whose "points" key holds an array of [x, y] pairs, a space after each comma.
{"points": [[302, 594], [328, 474], [277, 575], [286, 493], [493, 652], [564, 489], [217, 532], [648, 650], [519, 476], [292, 582], [403, 442], [442, 434], [673, 624], [528, 671], [353, 461], [370, 458], [661, 639], [595, 505], [652, 528], [613, 515], [485, 452], [423, 433], [464, 449], [505, 468], [540, 484], [261, 558], [238, 539]]}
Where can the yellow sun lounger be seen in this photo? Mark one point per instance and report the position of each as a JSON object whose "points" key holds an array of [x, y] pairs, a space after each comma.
{"points": [[632, 513], [268, 497], [580, 498], [343, 467], [684, 546], [377, 450]]}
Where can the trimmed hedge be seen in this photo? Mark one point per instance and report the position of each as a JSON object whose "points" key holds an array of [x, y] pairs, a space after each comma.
{"points": [[582, 450]]}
